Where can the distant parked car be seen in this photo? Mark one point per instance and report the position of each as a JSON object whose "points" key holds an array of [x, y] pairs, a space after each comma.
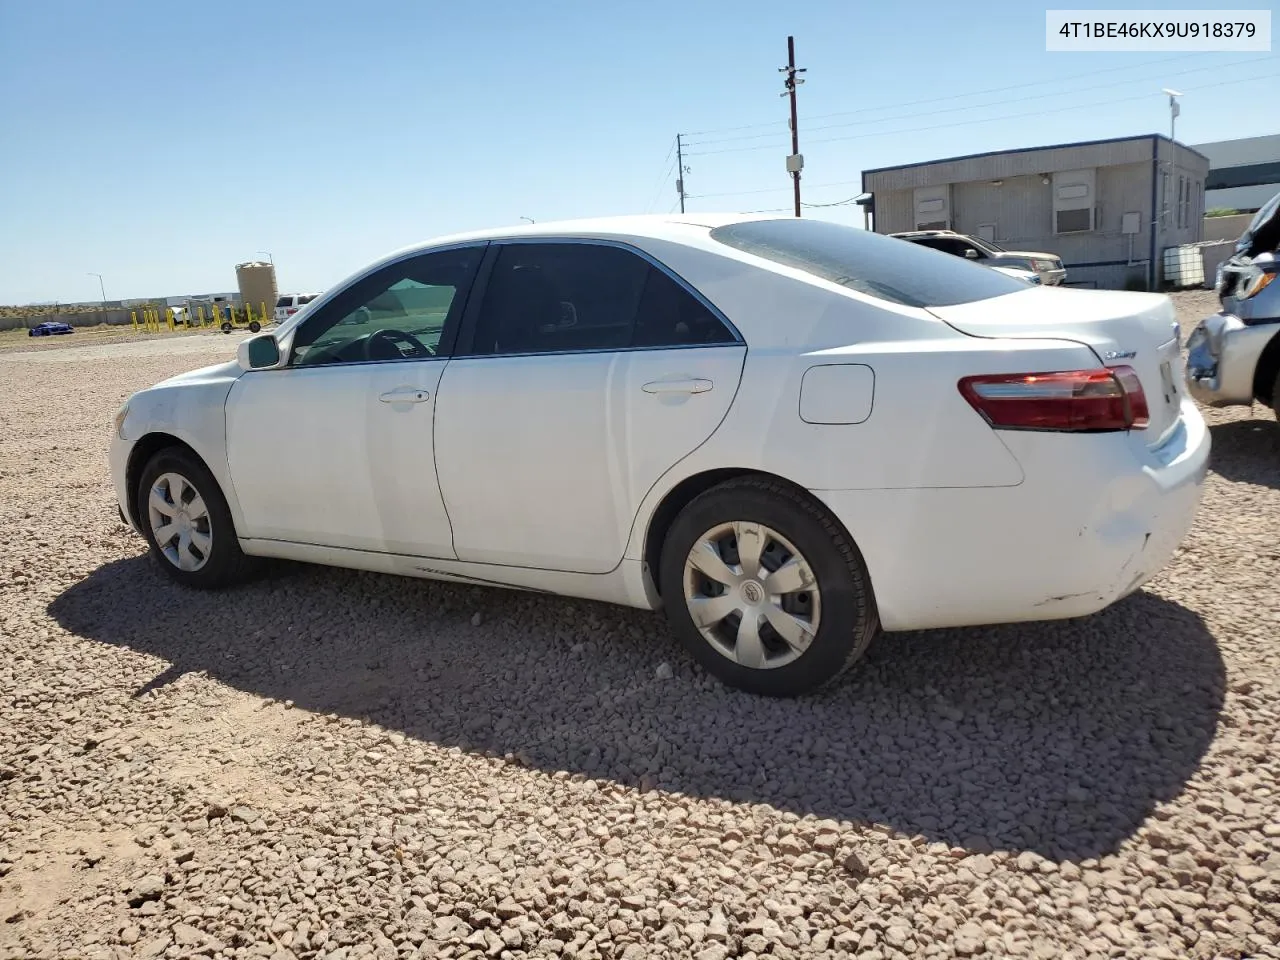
{"points": [[1233, 357], [50, 328], [1046, 265], [788, 433], [291, 303]]}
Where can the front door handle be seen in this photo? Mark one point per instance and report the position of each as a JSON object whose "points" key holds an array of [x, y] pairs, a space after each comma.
{"points": [[692, 385], [405, 395]]}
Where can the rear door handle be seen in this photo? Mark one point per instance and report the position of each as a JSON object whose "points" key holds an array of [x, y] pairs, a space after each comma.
{"points": [[691, 385], [405, 395]]}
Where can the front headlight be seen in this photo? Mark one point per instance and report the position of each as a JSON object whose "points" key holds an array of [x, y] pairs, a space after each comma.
{"points": [[1255, 285], [1042, 266], [119, 419]]}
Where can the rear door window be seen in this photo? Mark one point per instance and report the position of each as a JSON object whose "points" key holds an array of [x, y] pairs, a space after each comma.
{"points": [[563, 297], [878, 266]]}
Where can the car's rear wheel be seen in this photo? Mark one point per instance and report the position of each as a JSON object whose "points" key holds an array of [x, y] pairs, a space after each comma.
{"points": [[226, 326], [765, 589], [187, 523]]}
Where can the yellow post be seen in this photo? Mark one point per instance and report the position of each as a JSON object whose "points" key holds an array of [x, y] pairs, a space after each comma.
{"points": [[200, 314], [217, 315], [133, 315], [168, 316], [262, 305]]}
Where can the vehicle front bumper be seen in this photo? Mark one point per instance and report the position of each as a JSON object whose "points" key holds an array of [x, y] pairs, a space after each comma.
{"points": [[1222, 355], [1096, 517], [118, 461]]}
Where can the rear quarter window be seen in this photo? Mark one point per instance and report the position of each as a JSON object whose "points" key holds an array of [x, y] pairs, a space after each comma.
{"points": [[285, 302], [883, 267]]}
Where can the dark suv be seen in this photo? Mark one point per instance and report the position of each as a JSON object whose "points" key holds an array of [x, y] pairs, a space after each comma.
{"points": [[1045, 265]]}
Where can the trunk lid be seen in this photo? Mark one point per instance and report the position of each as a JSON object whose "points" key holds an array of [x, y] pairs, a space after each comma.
{"points": [[1137, 330]]}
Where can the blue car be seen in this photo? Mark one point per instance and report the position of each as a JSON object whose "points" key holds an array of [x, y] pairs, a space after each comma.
{"points": [[50, 328]]}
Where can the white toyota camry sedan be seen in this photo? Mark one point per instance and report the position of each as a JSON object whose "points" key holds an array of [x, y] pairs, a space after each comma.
{"points": [[785, 433]]}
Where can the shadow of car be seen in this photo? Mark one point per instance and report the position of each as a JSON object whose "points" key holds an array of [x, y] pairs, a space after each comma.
{"points": [[1058, 738]]}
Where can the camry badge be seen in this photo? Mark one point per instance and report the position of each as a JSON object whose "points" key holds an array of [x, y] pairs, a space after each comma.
{"points": [[1120, 354]]}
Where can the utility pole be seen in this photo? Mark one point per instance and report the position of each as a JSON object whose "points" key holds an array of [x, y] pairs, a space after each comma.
{"points": [[795, 162], [680, 168]]}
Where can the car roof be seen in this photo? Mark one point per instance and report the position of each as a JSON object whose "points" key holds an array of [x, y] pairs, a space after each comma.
{"points": [[673, 227]]}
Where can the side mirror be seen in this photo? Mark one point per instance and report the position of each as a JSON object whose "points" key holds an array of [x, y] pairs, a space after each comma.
{"points": [[970, 253], [258, 353]]}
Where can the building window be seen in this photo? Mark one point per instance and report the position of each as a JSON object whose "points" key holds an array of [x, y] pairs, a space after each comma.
{"points": [[1074, 201], [1164, 198], [932, 207]]}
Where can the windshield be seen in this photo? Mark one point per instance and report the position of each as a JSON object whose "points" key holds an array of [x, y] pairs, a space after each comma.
{"points": [[873, 264]]}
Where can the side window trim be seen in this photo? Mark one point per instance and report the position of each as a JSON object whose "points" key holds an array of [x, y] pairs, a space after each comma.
{"points": [[448, 336], [480, 288]]}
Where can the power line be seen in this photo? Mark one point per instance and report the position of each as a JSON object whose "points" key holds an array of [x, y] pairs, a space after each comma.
{"points": [[658, 189], [965, 123], [979, 106], [747, 193], [956, 96]]}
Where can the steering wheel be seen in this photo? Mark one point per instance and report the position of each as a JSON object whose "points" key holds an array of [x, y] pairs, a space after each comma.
{"points": [[391, 339]]}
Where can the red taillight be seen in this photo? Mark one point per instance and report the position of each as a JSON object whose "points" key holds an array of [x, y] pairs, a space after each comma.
{"points": [[291, 311], [1105, 399]]}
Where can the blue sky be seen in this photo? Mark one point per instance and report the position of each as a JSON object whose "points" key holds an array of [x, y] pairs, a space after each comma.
{"points": [[159, 144]]}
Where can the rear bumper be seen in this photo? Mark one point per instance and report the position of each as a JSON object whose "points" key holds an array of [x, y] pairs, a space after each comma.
{"points": [[1096, 517], [1222, 355]]}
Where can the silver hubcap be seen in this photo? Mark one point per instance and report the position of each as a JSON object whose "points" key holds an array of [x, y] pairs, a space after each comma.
{"points": [[752, 595], [180, 522]]}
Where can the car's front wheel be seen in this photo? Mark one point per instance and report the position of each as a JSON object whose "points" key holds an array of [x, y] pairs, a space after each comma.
{"points": [[765, 590], [187, 523]]}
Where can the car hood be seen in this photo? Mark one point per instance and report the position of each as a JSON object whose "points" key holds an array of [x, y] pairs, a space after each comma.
{"points": [[1263, 233], [1028, 253], [227, 372]]}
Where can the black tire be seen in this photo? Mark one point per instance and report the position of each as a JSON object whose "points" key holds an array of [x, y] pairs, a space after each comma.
{"points": [[226, 326], [848, 618], [254, 326], [1275, 395], [226, 564]]}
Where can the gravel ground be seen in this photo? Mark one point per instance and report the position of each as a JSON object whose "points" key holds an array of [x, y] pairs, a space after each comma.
{"points": [[341, 765]]}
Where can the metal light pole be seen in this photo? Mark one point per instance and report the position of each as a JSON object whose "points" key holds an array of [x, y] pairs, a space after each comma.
{"points": [[530, 219], [1174, 110], [101, 287]]}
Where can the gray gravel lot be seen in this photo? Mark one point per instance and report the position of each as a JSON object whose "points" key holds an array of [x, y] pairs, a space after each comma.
{"points": [[342, 765]]}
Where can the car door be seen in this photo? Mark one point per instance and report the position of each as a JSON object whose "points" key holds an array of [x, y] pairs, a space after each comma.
{"points": [[335, 448], [585, 371]]}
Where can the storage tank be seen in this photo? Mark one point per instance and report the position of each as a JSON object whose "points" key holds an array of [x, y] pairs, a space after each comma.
{"points": [[257, 283], [1183, 266]]}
